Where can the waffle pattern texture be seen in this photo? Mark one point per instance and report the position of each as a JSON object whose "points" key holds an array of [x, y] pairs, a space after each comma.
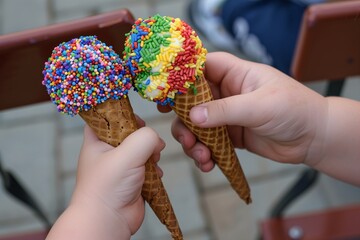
{"points": [[112, 122], [216, 139]]}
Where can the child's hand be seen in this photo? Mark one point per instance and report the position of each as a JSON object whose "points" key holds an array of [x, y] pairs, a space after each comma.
{"points": [[107, 202], [267, 112], [113, 177]]}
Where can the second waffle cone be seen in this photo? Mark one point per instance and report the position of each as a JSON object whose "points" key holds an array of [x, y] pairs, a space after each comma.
{"points": [[112, 122], [216, 139]]}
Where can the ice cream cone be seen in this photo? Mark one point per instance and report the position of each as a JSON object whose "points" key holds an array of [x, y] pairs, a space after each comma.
{"points": [[216, 139], [113, 121], [166, 58], [85, 77], [155, 194]]}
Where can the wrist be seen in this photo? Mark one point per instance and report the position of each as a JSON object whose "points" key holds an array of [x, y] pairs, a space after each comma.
{"points": [[340, 144], [84, 220], [100, 218], [319, 119]]}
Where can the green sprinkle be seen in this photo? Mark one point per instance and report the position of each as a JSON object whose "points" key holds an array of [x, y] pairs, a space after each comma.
{"points": [[194, 89]]}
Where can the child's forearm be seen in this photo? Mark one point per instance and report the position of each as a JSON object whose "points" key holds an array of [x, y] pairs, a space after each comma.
{"points": [[82, 222], [341, 141]]}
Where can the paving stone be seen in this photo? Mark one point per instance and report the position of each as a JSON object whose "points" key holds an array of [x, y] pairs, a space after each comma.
{"points": [[317, 86], [198, 236], [65, 5], [28, 151], [267, 193], [254, 167], [143, 232], [71, 15], [181, 188], [2, 17], [33, 14], [68, 186], [70, 124], [229, 216], [171, 8], [201, 235], [70, 149], [351, 88], [339, 193], [28, 113], [29, 225], [144, 108], [137, 8], [162, 125]]}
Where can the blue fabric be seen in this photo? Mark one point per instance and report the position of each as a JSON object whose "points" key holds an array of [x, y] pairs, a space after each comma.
{"points": [[275, 23]]}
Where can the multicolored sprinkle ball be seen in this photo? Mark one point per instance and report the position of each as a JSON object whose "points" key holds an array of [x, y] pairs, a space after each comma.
{"points": [[164, 56], [82, 73]]}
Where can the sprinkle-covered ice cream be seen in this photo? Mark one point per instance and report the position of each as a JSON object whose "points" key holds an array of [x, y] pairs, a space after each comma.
{"points": [[164, 56], [83, 73]]}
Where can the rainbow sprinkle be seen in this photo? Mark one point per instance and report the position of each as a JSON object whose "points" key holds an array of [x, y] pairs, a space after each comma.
{"points": [[82, 73], [164, 57]]}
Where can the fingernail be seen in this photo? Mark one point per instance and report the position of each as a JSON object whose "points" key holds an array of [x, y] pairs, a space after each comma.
{"points": [[199, 114]]}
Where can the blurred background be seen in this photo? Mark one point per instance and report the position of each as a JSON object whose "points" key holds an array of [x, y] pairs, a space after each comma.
{"points": [[41, 147]]}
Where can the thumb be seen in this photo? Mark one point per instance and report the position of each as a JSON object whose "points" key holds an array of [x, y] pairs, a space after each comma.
{"points": [[241, 110], [137, 148], [92, 143]]}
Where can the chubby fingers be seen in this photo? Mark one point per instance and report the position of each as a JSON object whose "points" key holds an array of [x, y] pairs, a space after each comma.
{"points": [[156, 156], [92, 143], [226, 71], [137, 148], [192, 148], [248, 110], [134, 151]]}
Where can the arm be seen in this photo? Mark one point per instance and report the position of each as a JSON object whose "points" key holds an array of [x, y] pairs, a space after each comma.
{"points": [[340, 155], [89, 220], [273, 115]]}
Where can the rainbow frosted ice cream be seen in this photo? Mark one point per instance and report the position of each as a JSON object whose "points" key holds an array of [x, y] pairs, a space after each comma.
{"points": [[165, 59], [165, 56], [86, 77]]}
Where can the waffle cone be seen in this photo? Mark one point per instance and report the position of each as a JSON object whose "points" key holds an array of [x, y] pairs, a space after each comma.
{"points": [[216, 139], [112, 122]]}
